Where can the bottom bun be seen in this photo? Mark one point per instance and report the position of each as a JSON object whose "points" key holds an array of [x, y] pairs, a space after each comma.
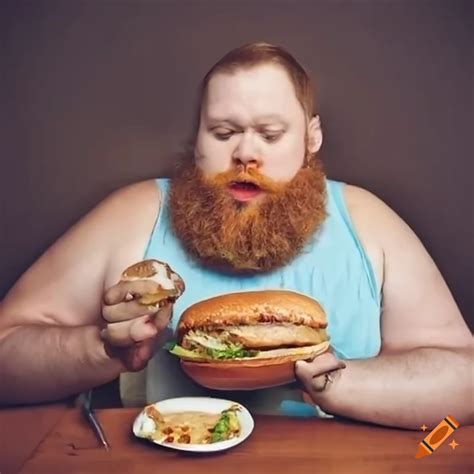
{"points": [[248, 374]]}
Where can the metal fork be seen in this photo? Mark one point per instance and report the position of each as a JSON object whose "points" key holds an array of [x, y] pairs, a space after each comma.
{"points": [[88, 412]]}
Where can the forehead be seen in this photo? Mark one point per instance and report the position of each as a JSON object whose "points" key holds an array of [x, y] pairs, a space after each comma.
{"points": [[261, 90]]}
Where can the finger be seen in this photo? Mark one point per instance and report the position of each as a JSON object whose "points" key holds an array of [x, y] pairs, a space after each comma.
{"points": [[127, 333], [163, 317], [126, 311], [138, 356], [318, 383], [321, 364], [122, 290]]}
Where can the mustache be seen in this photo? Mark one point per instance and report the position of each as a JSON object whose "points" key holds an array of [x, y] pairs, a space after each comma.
{"points": [[248, 175], [219, 233]]}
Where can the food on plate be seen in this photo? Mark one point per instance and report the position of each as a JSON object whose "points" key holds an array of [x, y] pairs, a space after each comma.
{"points": [[170, 284], [243, 340], [190, 427]]}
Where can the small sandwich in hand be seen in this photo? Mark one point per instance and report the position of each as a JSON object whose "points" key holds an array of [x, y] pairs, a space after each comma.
{"points": [[249, 340], [170, 285]]}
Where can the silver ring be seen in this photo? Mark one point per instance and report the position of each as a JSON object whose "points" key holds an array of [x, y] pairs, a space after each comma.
{"points": [[328, 378]]}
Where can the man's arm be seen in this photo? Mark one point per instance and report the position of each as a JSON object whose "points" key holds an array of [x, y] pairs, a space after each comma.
{"points": [[49, 321], [42, 363], [405, 390], [425, 368]]}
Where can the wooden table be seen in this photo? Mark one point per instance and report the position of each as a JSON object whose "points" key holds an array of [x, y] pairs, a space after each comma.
{"points": [[65, 444]]}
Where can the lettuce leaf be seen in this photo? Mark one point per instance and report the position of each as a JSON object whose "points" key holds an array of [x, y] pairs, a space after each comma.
{"points": [[232, 351], [227, 426]]}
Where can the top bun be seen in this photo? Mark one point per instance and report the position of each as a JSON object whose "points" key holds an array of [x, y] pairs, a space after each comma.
{"points": [[170, 285], [145, 270], [253, 307]]}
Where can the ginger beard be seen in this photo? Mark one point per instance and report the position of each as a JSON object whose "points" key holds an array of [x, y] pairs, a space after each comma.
{"points": [[257, 236]]}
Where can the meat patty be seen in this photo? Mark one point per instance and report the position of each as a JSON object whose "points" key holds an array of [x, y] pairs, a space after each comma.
{"points": [[259, 336]]}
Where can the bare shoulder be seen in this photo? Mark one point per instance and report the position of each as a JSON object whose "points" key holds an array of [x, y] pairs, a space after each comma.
{"points": [[65, 285], [126, 216], [368, 211], [377, 224], [119, 222], [365, 210], [132, 212], [144, 195], [418, 307]]}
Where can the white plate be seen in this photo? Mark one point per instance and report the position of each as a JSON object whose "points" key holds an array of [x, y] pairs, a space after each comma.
{"points": [[204, 404]]}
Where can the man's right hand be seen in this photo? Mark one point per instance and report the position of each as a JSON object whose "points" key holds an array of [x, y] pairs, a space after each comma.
{"points": [[132, 329]]}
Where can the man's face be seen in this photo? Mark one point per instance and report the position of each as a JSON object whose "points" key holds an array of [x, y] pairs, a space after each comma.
{"points": [[252, 117], [248, 204]]}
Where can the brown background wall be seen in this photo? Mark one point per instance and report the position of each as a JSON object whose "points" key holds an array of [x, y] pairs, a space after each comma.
{"points": [[97, 94]]}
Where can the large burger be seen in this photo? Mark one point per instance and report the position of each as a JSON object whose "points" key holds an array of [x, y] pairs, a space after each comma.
{"points": [[250, 339]]}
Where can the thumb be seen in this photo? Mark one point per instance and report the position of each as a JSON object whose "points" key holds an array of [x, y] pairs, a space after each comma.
{"points": [[163, 317], [321, 364], [303, 369], [137, 357]]}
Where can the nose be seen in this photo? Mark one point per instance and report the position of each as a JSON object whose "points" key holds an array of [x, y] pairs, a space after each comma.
{"points": [[246, 152]]}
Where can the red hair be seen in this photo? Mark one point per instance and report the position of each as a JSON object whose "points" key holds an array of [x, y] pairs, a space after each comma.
{"points": [[255, 54]]}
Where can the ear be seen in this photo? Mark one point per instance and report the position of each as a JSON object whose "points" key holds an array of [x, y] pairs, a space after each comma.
{"points": [[315, 135]]}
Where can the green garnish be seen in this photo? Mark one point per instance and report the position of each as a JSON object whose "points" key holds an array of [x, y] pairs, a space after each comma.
{"points": [[226, 426], [230, 352]]}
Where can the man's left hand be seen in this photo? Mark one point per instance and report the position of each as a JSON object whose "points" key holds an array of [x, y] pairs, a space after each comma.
{"points": [[318, 374]]}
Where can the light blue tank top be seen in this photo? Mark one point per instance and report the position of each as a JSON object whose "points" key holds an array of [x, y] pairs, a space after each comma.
{"points": [[333, 269]]}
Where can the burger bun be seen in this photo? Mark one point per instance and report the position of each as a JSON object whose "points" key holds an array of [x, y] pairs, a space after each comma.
{"points": [[249, 374]]}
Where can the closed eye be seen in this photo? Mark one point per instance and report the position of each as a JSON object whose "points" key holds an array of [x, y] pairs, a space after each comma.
{"points": [[272, 137], [223, 136]]}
